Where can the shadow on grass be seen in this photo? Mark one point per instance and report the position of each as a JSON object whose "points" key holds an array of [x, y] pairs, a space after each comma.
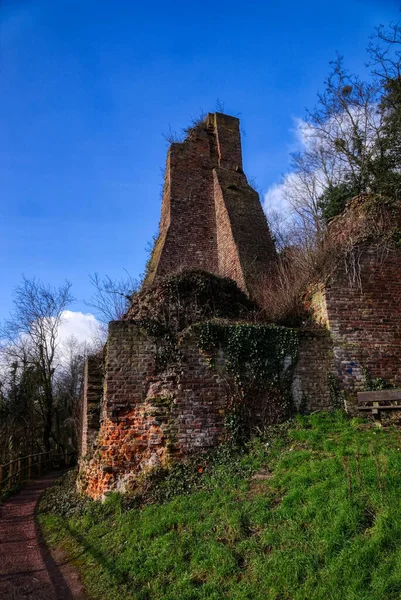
{"points": [[87, 549], [60, 584]]}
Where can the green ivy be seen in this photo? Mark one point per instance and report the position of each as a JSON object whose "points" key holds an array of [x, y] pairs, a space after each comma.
{"points": [[375, 383], [165, 342], [337, 395], [257, 356]]}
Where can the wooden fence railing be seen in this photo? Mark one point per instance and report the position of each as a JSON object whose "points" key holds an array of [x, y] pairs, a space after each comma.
{"points": [[28, 467]]}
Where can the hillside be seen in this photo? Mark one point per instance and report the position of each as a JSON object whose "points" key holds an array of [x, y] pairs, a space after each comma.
{"points": [[308, 510]]}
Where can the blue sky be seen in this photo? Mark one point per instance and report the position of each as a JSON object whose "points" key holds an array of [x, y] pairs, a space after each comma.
{"points": [[88, 87]]}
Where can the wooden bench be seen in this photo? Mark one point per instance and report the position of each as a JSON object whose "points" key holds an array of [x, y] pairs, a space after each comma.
{"points": [[379, 400]]}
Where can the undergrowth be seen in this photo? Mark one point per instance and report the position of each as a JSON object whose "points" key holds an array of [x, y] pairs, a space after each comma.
{"points": [[7, 493], [308, 510]]}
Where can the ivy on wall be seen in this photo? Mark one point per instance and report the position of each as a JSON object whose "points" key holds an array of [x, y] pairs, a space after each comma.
{"points": [[375, 383], [192, 296], [165, 340], [257, 356]]}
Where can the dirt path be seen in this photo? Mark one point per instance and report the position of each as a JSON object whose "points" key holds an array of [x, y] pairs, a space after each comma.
{"points": [[27, 569]]}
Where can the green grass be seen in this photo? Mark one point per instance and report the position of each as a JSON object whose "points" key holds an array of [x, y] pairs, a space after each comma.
{"points": [[325, 525]]}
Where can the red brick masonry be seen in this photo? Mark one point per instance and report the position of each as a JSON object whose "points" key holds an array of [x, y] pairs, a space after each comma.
{"points": [[138, 416], [211, 217], [364, 318], [151, 417]]}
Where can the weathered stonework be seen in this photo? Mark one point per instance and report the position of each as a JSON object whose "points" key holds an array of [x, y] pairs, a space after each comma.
{"points": [[359, 302], [364, 318], [154, 397], [92, 395], [151, 417], [211, 217], [311, 387]]}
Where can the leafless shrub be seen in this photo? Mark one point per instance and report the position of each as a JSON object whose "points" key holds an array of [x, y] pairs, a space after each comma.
{"points": [[219, 105], [280, 293], [303, 261], [111, 297], [173, 137], [196, 122]]}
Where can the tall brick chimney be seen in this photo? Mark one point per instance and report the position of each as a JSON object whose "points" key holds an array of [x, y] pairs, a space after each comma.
{"points": [[211, 217]]}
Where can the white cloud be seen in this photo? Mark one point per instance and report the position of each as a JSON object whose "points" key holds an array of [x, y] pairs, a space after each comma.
{"points": [[78, 332], [274, 199], [83, 326], [304, 133], [315, 144]]}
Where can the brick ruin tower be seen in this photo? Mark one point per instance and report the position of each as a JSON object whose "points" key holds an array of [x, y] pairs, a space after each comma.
{"points": [[211, 217], [158, 393]]}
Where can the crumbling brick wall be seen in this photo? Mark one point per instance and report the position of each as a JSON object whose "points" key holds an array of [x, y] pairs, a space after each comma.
{"points": [[364, 317], [211, 217], [151, 417], [152, 414], [91, 401], [359, 297], [312, 389]]}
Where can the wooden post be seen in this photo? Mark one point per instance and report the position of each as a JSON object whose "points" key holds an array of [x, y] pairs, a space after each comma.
{"points": [[1, 478], [40, 464], [19, 471], [29, 467]]}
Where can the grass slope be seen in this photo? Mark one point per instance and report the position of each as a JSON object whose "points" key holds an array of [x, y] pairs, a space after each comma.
{"points": [[310, 511]]}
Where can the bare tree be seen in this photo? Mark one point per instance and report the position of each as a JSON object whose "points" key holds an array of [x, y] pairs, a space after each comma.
{"points": [[20, 421], [385, 52], [385, 62], [30, 339], [347, 123], [220, 107], [111, 297], [348, 144], [68, 388]]}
